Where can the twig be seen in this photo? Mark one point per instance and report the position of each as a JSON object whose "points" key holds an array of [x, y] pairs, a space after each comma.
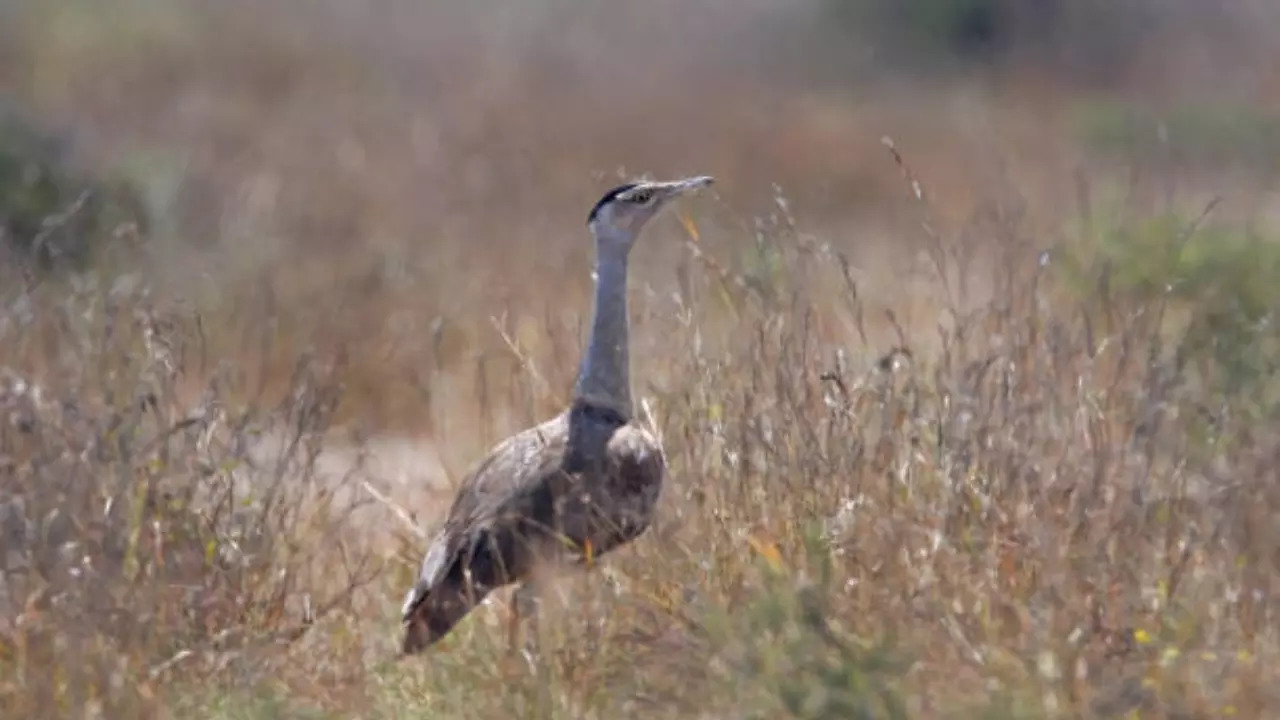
{"points": [[523, 358], [56, 222], [285, 636], [398, 511], [165, 666], [185, 653]]}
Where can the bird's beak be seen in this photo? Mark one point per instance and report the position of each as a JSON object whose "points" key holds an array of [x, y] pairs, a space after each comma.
{"points": [[679, 187], [668, 191]]}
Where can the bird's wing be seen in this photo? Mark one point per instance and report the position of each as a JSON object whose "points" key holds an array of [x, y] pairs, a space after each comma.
{"points": [[510, 470], [637, 471], [637, 455]]}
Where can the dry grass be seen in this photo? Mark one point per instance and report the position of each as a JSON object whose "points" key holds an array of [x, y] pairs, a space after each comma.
{"points": [[1032, 518], [993, 475]]}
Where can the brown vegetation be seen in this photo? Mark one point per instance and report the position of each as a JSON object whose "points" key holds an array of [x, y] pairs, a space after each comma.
{"points": [[986, 429]]}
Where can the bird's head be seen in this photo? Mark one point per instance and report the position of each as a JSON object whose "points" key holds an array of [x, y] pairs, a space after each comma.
{"points": [[617, 219]]}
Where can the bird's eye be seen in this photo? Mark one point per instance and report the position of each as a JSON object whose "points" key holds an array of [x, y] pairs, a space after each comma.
{"points": [[642, 198]]}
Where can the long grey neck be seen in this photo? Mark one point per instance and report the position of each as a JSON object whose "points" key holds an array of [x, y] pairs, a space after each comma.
{"points": [[605, 377]]}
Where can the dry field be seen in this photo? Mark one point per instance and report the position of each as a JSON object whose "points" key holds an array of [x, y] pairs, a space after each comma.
{"points": [[967, 386]]}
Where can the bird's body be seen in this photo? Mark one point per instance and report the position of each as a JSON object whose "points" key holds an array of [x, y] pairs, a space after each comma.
{"points": [[583, 482], [575, 486]]}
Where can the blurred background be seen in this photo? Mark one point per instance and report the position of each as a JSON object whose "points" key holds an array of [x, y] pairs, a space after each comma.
{"points": [[394, 174], [239, 238]]}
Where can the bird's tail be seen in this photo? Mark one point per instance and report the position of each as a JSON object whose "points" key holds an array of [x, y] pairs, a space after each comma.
{"points": [[430, 613], [416, 618], [418, 636], [413, 599]]}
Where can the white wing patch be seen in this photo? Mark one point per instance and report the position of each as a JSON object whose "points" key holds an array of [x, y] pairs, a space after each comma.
{"points": [[429, 575], [433, 563]]}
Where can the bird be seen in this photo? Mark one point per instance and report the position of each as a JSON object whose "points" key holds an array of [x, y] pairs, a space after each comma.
{"points": [[569, 489]]}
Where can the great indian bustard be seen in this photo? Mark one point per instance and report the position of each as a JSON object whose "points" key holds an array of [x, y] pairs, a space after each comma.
{"points": [[578, 485]]}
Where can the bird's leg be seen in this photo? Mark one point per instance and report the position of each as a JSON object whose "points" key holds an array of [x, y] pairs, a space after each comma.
{"points": [[513, 625], [517, 609], [525, 601]]}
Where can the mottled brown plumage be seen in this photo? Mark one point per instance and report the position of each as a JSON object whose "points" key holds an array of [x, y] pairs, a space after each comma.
{"points": [[584, 479], [580, 484]]}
